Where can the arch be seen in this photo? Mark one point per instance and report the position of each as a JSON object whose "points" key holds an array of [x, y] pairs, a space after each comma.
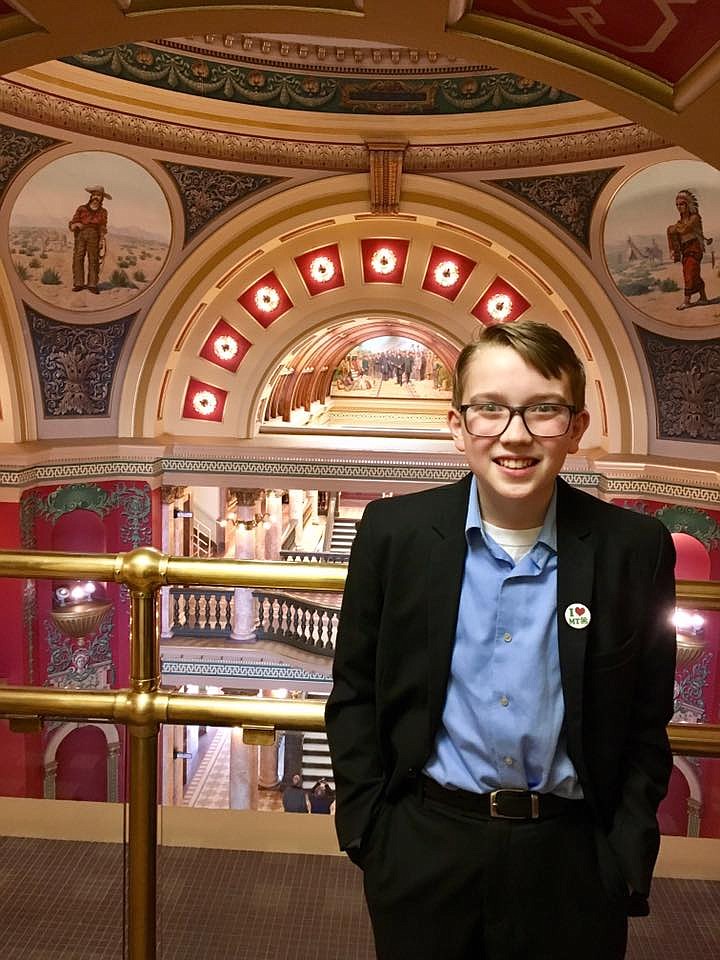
{"points": [[112, 739], [317, 357], [506, 239], [694, 801], [17, 412]]}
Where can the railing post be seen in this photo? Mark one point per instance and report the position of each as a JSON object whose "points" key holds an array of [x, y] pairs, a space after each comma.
{"points": [[143, 729]]}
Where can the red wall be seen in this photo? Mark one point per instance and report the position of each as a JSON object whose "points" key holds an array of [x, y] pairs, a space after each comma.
{"points": [[689, 567], [21, 753], [82, 765]]}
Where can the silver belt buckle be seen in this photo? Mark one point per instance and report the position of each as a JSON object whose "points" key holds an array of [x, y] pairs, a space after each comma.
{"points": [[496, 799]]}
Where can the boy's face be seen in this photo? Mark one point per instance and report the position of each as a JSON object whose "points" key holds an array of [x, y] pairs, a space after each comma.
{"points": [[515, 472]]}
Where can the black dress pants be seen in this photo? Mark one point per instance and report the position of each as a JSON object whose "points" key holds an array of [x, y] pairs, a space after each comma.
{"points": [[442, 884]]}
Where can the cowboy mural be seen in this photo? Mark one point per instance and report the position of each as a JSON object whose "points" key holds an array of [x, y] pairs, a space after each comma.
{"points": [[89, 227]]}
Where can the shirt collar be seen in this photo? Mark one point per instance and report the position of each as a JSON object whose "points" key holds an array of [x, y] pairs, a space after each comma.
{"points": [[473, 520]]}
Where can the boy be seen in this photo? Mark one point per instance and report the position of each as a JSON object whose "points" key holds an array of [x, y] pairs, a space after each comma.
{"points": [[503, 679]]}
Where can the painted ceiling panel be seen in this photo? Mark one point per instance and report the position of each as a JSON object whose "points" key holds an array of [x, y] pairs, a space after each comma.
{"points": [[664, 37]]}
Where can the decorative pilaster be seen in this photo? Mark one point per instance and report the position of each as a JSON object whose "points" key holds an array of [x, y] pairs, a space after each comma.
{"points": [[694, 808], [113, 764], [386, 164], [49, 779]]}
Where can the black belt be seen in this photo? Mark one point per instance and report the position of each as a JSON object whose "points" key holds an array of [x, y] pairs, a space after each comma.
{"points": [[507, 804]]}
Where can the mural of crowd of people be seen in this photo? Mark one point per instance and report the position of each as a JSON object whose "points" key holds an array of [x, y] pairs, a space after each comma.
{"points": [[392, 367], [662, 242]]}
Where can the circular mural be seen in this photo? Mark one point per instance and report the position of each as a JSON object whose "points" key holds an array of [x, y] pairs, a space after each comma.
{"points": [[662, 242], [89, 231]]}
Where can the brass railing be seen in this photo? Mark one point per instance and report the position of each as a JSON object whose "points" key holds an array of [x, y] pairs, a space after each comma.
{"points": [[143, 707]]}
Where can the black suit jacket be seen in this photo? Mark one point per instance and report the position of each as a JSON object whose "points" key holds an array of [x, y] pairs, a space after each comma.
{"points": [[394, 647]]}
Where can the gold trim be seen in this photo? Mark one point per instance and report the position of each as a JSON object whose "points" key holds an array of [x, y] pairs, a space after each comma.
{"points": [[567, 53]]}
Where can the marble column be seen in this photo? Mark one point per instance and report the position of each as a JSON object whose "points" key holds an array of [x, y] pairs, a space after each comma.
{"points": [[246, 509], [171, 542], [297, 510], [167, 744], [268, 765], [243, 772], [273, 535]]}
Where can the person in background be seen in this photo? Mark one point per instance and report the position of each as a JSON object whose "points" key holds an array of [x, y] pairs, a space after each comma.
{"points": [[295, 798], [322, 798]]}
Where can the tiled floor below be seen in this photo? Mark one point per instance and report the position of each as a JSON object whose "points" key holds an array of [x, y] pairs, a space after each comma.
{"points": [[63, 901]]}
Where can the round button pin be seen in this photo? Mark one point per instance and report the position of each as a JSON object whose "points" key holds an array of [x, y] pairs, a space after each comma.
{"points": [[577, 616]]}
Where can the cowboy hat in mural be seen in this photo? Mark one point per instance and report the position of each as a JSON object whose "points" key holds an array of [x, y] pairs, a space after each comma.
{"points": [[99, 191]]}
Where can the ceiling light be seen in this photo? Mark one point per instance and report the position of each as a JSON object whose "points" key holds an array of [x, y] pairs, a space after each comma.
{"points": [[267, 299], [204, 402], [499, 306], [447, 273], [322, 269], [225, 347], [383, 261]]}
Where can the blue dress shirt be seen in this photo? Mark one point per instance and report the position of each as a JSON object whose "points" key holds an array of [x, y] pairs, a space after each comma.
{"points": [[502, 724]]}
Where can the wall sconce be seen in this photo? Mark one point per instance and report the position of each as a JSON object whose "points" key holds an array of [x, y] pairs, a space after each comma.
{"points": [[247, 525], [76, 611], [689, 630]]}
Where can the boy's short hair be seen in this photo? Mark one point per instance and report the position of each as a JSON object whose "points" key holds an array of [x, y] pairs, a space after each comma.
{"points": [[541, 346]]}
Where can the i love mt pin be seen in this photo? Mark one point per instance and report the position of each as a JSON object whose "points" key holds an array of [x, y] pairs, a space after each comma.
{"points": [[577, 616]]}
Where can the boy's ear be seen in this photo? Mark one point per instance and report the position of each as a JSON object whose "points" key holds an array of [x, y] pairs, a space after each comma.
{"points": [[581, 421], [455, 424]]}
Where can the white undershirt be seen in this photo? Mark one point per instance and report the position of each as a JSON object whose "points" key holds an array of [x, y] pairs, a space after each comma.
{"points": [[516, 543]]}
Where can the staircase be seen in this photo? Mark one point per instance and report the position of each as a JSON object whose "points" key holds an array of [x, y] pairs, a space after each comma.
{"points": [[343, 534], [202, 543], [316, 755]]}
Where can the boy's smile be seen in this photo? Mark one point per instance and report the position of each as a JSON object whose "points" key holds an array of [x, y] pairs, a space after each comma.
{"points": [[516, 471]]}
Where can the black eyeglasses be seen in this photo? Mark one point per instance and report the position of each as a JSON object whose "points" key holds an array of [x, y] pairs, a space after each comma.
{"points": [[491, 419]]}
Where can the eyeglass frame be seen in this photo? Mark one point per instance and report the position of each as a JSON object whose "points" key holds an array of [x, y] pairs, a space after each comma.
{"points": [[514, 411]]}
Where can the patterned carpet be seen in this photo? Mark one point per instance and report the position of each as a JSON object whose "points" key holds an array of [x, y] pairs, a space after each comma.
{"points": [[64, 901]]}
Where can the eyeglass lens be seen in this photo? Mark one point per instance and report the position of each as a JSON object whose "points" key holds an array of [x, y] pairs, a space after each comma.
{"points": [[541, 420]]}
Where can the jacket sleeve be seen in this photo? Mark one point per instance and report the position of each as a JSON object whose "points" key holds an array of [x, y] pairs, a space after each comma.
{"points": [[350, 715], [647, 762]]}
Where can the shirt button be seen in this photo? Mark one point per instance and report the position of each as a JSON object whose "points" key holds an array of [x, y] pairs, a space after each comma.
{"points": [[504, 701], [508, 761], [507, 637]]}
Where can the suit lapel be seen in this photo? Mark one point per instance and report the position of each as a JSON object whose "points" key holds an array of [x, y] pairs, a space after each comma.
{"points": [[575, 576], [446, 564]]}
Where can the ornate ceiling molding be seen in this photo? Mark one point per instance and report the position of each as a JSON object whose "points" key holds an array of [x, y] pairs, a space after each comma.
{"points": [[322, 54], [18, 147], [76, 363], [315, 470], [567, 198], [207, 192], [532, 152], [317, 88], [686, 384], [386, 165], [38, 106]]}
